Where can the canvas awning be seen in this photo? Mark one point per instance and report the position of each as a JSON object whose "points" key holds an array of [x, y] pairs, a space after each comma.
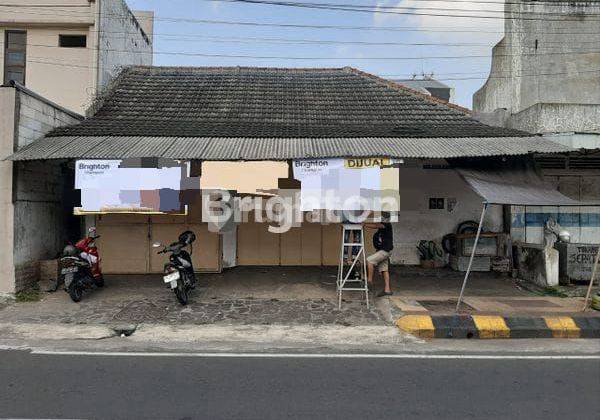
{"points": [[512, 184], [515, 186]]}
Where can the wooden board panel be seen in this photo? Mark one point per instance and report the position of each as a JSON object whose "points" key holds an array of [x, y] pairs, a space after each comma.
{"points": [[311, 244], [120, 219], [207, 249], [164, 233], [256, 245], [206, 253], [331, 237], [291, 247], [268, 246], [123, 248], [168, 218]]}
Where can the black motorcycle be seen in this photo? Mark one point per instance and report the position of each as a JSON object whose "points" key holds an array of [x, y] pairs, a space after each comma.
{"points": [[179, 271], [76, 273]]}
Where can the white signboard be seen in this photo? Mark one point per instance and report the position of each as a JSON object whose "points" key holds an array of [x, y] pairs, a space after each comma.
{"points": [[107, 187], [348, 184]]}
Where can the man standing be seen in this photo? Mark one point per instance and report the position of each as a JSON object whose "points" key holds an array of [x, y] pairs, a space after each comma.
{"points": [[383, 241]]}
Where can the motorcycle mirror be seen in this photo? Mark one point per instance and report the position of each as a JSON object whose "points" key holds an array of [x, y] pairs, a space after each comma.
{"points": [[156, 245]]}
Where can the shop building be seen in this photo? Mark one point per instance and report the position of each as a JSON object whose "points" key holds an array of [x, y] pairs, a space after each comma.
{"points": [[240, 128]]}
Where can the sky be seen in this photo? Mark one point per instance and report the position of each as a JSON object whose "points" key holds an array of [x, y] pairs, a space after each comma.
{"points": [[177, 31]]}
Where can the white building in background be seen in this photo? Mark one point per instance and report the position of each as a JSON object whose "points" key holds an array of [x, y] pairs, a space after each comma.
{"points": [[545, 79], [68, 50], [429, 86]]}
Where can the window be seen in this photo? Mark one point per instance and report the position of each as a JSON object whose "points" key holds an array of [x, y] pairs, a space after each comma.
{"points": [[15, 45], [72, 41]]}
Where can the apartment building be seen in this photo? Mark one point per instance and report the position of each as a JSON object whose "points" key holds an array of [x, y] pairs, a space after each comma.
{"points": [[68, 50]]}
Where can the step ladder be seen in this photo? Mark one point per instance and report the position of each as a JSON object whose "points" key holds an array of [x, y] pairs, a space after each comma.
{"points": [[356, 249]]}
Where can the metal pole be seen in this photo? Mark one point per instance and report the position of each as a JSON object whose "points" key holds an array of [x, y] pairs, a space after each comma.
{"points": [[589, 290], [462, 290]]}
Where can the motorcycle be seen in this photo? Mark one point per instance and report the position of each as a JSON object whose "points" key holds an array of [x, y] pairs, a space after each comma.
{"points": [[88, 246], [80, 267], [179, 271]]}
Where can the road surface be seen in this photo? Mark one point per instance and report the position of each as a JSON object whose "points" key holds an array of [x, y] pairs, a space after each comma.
{"points": [[176, 386]]}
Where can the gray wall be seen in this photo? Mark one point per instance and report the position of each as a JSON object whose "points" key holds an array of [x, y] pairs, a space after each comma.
{"points": [[544, 60], [32, 195], [122, 41]]}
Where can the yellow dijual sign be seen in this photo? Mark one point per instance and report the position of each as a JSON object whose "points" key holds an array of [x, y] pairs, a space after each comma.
{"points": [[366, 163]]}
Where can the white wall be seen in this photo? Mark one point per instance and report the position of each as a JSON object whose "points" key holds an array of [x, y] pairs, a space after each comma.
{"points": [[417, 222]]}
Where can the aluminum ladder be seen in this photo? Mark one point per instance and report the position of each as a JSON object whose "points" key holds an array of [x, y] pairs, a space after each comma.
{"points": [[344, 282]]}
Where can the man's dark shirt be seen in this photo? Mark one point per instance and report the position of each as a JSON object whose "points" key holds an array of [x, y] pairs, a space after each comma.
{"points": [[384, 238]]}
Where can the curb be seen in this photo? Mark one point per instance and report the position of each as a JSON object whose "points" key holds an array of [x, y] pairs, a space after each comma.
{"points": [[487, 326]]}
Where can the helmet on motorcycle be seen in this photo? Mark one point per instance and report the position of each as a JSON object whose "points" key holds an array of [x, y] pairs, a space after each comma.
{"points": [[187, 237], [70, 251]]}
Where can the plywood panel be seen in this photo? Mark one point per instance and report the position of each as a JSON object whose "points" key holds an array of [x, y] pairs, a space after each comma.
{"points": [[331, 237], [123, 248], [369, 248], [268, 246], [311, 244], [257, 246], [246, 243], [168, 218], [120, 219], [164, 233], [291, 247], [207, 249]]}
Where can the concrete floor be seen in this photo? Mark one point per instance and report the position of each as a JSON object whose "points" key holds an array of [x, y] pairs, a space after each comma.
{"points": [[253, 290], [319, 282]]}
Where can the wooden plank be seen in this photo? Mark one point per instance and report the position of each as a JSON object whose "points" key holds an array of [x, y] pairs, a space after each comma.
{"points": [[311, 244], [291, 247], [331, 242], [123, 248]]}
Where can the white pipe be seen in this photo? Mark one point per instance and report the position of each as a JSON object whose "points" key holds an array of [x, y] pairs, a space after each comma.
{"points": [[462, 290], [589, 291]]}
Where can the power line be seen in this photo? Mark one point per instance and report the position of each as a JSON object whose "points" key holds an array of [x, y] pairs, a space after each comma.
{"points": [[380, 8], [202, 38], [332, 6], [340, 8], [542, 2], [282, 57], [254, 40], [441, 79], [436, 29]]}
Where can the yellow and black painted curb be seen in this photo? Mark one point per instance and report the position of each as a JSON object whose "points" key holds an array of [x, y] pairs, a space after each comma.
{"points": [[489, 326]]}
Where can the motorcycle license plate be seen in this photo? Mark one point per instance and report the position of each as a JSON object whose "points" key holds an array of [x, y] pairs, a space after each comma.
{"points": [[68, 279], [68, 270], [173, 277]]}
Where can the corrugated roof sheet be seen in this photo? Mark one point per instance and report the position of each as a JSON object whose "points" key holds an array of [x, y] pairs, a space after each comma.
{"points": [[228, 148]]}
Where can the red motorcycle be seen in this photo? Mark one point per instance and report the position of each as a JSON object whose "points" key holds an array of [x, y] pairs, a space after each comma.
{"points": [[80, 266], [89, 251]]}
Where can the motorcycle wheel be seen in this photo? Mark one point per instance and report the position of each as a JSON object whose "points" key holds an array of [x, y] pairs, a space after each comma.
{"points": [[99, 281], [75, 292], [181, 292]]}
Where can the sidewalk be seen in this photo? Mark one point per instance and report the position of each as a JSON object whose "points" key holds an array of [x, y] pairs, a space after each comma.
{"points": [[305, 297]]}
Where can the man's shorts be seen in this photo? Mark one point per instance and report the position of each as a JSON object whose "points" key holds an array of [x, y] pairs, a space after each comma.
{"points": [[380, 259]]}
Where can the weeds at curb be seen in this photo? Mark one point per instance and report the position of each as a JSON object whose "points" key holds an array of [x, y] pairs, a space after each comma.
{"points": [[30, 295]]}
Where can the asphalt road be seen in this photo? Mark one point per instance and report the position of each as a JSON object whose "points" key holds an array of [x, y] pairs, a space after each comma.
{"points": [[136, 387]]}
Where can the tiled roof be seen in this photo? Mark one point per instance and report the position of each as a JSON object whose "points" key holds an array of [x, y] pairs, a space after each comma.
{"points": [[246, 102]]}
